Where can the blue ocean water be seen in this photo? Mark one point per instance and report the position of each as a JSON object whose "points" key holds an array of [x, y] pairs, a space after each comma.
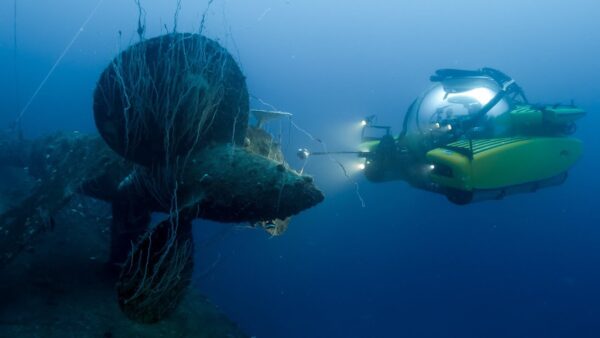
{"points": [[408, 263]]}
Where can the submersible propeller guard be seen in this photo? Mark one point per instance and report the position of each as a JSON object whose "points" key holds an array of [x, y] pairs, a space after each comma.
{"points": [[164, 96]]}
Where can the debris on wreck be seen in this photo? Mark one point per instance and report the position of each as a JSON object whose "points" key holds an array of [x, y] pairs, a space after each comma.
{"points": [[60, 166]]}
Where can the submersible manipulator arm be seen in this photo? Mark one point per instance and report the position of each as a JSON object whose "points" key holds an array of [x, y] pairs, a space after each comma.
{"points": [[173, 116]]}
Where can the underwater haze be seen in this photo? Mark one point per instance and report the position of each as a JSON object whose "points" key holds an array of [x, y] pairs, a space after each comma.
{"points": [[373, 259]]}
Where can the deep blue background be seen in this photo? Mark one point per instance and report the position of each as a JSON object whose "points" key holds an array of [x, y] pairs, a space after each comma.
{"points": [[409, 264]]}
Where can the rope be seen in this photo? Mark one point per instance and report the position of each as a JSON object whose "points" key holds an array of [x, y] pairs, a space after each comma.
{"points": [[15, 58], [62, 55]]}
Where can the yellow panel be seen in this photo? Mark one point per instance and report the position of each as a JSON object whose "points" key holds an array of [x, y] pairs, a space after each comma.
{"points": [[519, 162], [525, 161]]}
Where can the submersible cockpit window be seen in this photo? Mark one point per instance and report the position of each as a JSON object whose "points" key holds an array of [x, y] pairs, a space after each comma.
{"points": [[447, 106]]}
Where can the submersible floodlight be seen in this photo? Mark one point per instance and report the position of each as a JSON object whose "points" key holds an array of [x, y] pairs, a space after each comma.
{"points": [[303, 153], [367, 121]]}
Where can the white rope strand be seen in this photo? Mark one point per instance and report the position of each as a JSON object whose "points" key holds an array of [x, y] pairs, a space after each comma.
{"points": [[62, 55]]}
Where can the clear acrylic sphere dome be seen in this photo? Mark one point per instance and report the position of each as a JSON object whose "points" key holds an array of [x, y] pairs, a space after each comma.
{"points": [[446, 104]]}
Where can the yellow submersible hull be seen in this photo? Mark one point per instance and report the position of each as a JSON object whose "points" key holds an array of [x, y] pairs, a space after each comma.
{"points": [[499, 163]]}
